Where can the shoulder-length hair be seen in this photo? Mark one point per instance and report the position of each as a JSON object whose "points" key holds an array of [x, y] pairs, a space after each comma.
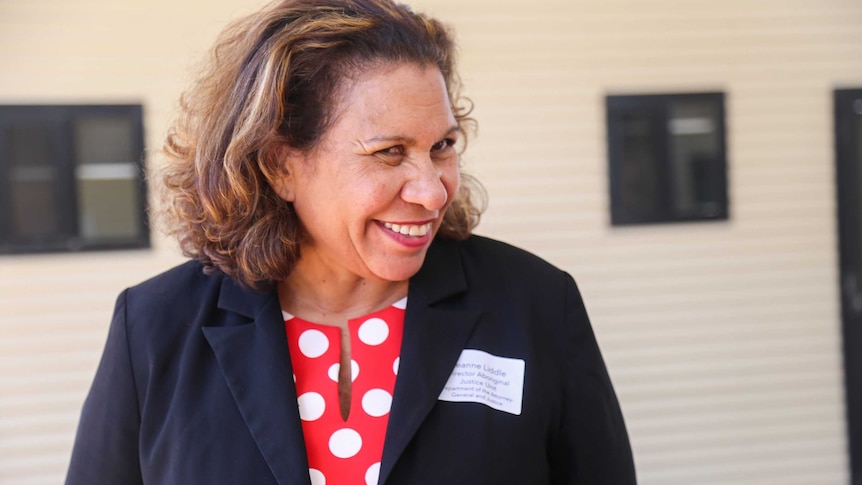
{"points": [[273, 81]]}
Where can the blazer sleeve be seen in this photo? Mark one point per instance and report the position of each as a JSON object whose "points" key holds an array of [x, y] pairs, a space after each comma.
{"points": [[106, 445], [592, 447]]}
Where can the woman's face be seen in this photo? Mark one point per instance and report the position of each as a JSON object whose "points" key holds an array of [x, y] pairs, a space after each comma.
{"points": [[372, 195]]}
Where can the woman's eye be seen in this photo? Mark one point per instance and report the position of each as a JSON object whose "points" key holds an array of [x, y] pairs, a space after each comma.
{"points": [[443, 144], [396, 150], [390, 156]]}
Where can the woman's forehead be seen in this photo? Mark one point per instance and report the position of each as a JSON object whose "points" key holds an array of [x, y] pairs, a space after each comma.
{"points": [[396, 97]]}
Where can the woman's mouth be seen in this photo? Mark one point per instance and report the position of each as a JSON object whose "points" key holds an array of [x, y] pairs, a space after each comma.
{"points": [[410, 230]]}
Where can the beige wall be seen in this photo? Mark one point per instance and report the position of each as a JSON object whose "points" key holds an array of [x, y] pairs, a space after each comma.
{"points": [[723, 339]]}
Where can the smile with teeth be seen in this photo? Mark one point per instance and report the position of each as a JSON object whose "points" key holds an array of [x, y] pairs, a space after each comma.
{"points": [[409, 229]]}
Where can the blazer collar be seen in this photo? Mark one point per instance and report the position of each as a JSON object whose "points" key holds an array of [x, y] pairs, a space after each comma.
{"points": [[441, 275], [245, 301], [438, 322], [251, 349]]}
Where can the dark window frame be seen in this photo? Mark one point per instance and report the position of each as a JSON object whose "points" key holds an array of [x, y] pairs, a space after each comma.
{"points": [[657, 108], [848, 153], [61, 118]]}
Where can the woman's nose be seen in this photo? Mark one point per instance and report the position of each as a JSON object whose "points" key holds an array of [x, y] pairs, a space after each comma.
{"points": [[425, 186]]}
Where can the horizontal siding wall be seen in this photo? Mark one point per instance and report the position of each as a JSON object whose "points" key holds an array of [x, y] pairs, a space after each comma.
{"points": [[723, 339], [55, 309], [54, 312]]}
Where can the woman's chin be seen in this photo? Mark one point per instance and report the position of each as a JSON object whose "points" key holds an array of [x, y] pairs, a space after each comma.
{"points": [[398, 268]]}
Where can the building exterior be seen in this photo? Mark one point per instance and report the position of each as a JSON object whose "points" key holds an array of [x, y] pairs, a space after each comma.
{"points": [[723, 338]]}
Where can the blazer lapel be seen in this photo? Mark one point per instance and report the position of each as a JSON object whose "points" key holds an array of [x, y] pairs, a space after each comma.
{"points": [[251, 349], [435, 333]]}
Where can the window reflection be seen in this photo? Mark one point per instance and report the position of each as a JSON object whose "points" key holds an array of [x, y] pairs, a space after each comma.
{"points": [[694, 149]]}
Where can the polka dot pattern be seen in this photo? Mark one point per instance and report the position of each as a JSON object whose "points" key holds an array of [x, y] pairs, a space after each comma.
{"points": [[372, 475], [334, 369], [313, 343], [376, 402], [373, 331], [311, 406], [345, 443], [317, 477], [346, 451]]}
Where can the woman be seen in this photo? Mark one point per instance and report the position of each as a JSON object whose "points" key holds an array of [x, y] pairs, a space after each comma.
{"points": [[338, 323]]}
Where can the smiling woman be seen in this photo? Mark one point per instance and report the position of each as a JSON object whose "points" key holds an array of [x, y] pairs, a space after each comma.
{"points": [[390, 153], [338, 322], [276, 84]]}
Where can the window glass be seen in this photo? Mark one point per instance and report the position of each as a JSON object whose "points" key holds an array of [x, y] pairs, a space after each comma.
{"points": [[693, 158], [105, 205], [106, 176], [32, 173], [640, 172], [104, 140], [857, 107]]}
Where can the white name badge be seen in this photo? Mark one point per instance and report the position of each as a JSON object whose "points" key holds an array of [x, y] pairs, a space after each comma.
{"points": [[497, 382]]}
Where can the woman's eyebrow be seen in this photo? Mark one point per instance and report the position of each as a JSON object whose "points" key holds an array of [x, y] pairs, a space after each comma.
{"points": [[406, 139], [399, 139]]}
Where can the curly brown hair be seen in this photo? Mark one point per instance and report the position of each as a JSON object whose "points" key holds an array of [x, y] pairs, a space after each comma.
{"points": [[273, 80]]}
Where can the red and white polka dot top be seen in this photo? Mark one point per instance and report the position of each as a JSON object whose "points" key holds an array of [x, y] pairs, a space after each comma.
{"points": [[346, 452]]}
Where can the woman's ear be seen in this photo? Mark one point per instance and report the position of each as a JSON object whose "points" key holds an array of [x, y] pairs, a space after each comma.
{"points": [[284, 181]]}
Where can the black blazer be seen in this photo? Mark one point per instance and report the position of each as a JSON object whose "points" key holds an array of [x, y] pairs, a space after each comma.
{"points": [[195, 384]]}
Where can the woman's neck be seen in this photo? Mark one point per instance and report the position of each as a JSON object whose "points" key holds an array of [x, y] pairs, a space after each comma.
{"points": [[332, 299]]}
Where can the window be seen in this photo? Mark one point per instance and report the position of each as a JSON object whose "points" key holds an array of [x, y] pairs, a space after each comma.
{"points": [[667, 158], [848, 145], [71, 178]]}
